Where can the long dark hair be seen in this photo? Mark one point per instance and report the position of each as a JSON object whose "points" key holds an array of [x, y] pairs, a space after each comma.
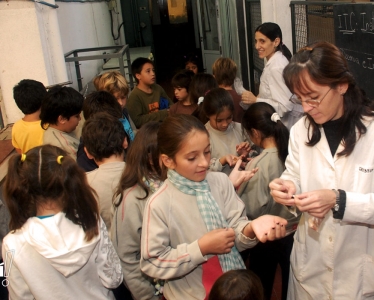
{"points": [[325, 64], [273, 31], [142, 161], [215, 101], [39, 178], [258, 116]]}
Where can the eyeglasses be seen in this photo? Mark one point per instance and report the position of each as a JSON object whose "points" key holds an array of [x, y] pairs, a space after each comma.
{"points": [[310, 102]]}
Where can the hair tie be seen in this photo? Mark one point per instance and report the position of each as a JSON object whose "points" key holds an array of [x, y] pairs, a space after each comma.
{"points": [[275, 117], [200, 100], [59, 159], [23, 157]]}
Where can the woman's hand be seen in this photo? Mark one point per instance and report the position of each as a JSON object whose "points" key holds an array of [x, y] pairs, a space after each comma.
{"points": [[317, 203], [217, 241], [283, 191], [266, 228], [238, 177], [248, 97]]}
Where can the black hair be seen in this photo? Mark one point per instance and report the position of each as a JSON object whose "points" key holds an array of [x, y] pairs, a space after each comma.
{"points": [[273, 31], [29, 95], [103, 136], [137, 66], [101, 101], [215, 101], [258, 116], [182, 79], [60, 101]]}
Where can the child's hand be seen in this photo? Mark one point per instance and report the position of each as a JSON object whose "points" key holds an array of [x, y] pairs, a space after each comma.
{"points": [[238, 177], [229, 159], [266, 228], [218, 241], [243, 148]]}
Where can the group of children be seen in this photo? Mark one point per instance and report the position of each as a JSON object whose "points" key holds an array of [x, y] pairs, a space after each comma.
{"points": [[161, 211]]}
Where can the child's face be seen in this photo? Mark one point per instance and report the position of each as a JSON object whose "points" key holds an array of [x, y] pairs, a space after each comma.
{"points": [[222, 120], [192, 67], [72, 123], [180, 93], [192, 159], [147, 75], [121, 98]]}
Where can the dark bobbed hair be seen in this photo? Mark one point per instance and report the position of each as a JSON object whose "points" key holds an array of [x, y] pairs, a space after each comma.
{"points": [[101, 101], [237, 285], [40, 179], [224, 71], [325, 64], [103, 136], [258, 116], [193, 58], [273, 31], [60, 101], [182, 79], [137, 66], [28, 95], [142, 161], [201, 83], [215, 101], [174, 131]]}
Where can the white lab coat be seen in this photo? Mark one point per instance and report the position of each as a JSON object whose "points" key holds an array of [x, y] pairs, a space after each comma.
{"points": [[274, 91], [338, 261]]}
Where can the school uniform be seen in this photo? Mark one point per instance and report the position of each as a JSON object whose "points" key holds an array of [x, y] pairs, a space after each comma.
{"points": [[61, 139], [172, 225], [126, 235], [337, 262], [223, 143], [52, 260]]}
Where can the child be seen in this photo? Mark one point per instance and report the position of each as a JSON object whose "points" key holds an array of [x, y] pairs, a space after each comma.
{"points": [[96, 102], [139, 181], [227, 140], [148, 101], [27, 132], [237, 285], [192, 63], [181, 83], [195, 216], [105, 142], [60, 115], [224, 71], [265, 129], [61, 246], [114, 83], [201, 83]]}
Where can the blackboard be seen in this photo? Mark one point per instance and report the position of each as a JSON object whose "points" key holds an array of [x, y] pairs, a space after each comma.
{"points": [[354, 35]]}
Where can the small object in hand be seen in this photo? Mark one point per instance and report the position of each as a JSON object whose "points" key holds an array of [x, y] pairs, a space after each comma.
{"points": [[314, 223]]}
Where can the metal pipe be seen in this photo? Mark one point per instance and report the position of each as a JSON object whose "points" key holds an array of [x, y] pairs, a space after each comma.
{"points": [[45, 3]]}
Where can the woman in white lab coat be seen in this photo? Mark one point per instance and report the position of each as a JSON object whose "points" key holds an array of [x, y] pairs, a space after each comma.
{"points": [[330, 178], [273, 90]]}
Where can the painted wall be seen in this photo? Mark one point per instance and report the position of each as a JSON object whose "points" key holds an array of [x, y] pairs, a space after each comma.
{"points": [[34, 47]]}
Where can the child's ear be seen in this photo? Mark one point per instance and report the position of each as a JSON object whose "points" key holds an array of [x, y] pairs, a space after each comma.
{"points": [[125, 144], [137, 75], [167, 161], [61, 120], [88, 153]]}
